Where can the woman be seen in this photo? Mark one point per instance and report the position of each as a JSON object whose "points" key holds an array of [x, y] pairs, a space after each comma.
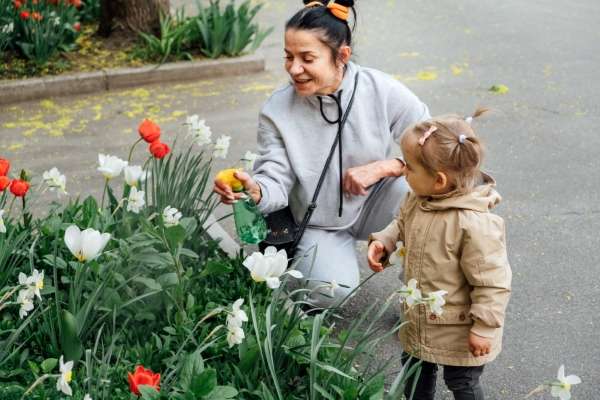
{"points": [[298, 125]]}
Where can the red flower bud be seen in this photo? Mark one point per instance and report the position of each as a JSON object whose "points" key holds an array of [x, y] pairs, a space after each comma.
{"points": [[17, 4], [19, 187], [4, 167], [36, 16], [4, 182], [159, 149], [149, 131], [77, 26], [142, 376], [24, 15]]}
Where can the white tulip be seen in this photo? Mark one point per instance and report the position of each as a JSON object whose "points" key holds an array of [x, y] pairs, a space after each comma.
{"points": [[249, 159], [235, 335], [562, 387], [66, 376], [110, 166], [410, 294], [222, 147], [55, 180], [136, 200], [171, 216], [25, 300], [134, 174], [237, 315], [2, 226], [436, 301], [199, 131], [87, 397], [85, 245], [269, 267]]}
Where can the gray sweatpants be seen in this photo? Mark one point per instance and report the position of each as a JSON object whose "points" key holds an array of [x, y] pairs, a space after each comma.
{"points": [[334, 251]]}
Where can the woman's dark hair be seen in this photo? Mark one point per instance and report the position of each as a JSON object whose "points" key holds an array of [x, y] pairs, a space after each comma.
{"points": [[335, 31]]}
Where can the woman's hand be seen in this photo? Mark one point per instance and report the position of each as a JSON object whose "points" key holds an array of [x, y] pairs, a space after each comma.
{"points": [[479, 346], [374, 255], [228, 196], [358, 179]]}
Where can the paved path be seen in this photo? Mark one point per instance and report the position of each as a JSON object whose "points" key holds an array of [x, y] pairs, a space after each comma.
{"points": [[543, 148]]}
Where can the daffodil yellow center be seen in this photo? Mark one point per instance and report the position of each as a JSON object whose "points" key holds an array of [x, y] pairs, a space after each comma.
{"points": [[68, 376], [39, 284], [566, 386]]}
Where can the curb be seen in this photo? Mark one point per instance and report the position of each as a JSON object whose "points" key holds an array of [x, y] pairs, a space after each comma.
{"points": [[111, 79]]}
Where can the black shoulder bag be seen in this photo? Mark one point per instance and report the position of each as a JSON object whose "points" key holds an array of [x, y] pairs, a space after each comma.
{"points": [[284, 233]]}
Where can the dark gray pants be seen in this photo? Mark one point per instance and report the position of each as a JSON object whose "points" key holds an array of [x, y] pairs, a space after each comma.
{"points": [[463, 382]]}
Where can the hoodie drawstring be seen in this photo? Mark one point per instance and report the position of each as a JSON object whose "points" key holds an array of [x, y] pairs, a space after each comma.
{"points": [[338, 121]]}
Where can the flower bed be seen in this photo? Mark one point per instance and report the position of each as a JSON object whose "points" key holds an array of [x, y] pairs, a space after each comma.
{"points": [[42, 37], [128, 297]]}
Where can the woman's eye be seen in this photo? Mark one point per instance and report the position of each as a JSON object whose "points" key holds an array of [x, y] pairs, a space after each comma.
{"points": [[308, 60]]}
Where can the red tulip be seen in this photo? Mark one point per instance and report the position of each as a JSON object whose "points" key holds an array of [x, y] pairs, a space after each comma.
{"points": [[159, 149], [4, 183], [77, 26], [142, 376], [24, 15], [149, 131], [4, 167], [17, 4], [19, 187], [36, 16]]}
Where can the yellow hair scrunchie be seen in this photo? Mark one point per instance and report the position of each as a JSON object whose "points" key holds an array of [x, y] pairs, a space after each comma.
{"points": [[340, 11]]}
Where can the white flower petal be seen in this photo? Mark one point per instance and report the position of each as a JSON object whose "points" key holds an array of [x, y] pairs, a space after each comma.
{"points": [[73, 240]]}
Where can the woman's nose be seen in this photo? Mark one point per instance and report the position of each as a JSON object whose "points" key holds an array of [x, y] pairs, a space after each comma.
{"points": [[296, 68]]}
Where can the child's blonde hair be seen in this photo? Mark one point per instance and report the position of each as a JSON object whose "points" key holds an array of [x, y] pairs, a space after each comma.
{"points": [[448, 144]]}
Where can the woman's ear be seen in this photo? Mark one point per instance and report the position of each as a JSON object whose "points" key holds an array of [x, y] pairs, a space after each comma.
{"points": [[344, 54], [441, 181]]}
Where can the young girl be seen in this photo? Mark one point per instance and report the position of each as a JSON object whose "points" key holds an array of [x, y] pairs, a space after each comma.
{"points": [[453, 243]]}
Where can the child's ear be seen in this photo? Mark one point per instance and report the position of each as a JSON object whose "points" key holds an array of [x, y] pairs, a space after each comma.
{"points": [[441, 180]]}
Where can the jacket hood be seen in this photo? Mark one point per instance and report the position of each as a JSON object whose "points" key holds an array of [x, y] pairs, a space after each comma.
{"points": [[482, 198]]}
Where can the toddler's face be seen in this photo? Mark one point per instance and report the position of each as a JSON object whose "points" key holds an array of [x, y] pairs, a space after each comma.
{"points": [[419, 179]]}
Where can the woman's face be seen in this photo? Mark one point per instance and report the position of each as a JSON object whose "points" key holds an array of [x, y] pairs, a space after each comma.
{"points": [[310, 63]]}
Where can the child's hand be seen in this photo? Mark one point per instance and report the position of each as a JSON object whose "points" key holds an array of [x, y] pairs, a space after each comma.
{"points": [[375, 254], [479, 346]]}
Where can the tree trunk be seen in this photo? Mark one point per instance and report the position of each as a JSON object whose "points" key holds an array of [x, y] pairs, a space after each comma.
{"points": [[131, 16]]}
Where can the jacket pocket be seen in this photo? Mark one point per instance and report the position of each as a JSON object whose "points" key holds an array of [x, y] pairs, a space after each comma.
{"points": [[449, 331]]}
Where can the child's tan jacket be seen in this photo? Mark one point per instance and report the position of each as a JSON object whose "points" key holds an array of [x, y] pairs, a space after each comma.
{"points": [[453, 243]]}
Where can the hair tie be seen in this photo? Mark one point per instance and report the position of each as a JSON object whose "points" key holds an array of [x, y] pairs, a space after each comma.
{"points": [[314, 4], [338, 10], [468, 120], [426, 135], [462, 138]]}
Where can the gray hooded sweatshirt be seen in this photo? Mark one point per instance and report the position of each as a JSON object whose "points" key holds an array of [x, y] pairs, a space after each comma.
{"points": [[294, 141]]}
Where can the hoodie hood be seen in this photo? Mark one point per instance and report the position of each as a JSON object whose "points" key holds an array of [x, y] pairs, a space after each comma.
{"points": [[482, 198]]}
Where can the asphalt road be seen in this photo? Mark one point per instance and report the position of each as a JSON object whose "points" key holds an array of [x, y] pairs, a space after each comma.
{"points": [[541, 139]]}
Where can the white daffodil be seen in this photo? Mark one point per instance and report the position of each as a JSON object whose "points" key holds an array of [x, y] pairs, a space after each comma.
{"points": [[237, 315], [25, 300], [87, 397], [436, 301], [2, 226], [235, 335], [562, 387], [33, 283], [110, 166], [55, 180], [8, 28], [249, 159], [66, 376], [397, 257], [269, 267], [332, 286], [85, 245], [198, 129], [171, 216], [222, 147], [134, 174], [410, 294], [136, 200]]}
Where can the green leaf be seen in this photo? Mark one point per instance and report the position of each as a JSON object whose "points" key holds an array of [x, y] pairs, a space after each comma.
{"points": [[192, 366], [204, 383], [216, 267], [175, 236], [223, 392], [49, 364], [148, 392], [148, 282], [167, 280], [69, 339], [188, 253]]}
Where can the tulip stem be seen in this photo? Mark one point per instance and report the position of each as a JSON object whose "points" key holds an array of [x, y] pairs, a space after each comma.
{"points": [[104, 193], [11, 205], [133, 147]]}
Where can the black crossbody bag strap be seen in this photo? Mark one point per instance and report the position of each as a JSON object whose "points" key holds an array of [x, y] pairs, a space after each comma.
{"points": [[313, 203]]}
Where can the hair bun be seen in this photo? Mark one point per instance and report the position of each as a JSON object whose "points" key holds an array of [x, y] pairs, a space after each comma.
{"points": [[347, 3]]}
